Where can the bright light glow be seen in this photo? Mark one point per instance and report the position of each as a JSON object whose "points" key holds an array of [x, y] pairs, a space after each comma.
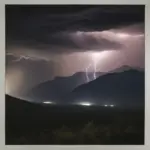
{"points": [[109, 105], [123, 35], [47, 102], [85, 104], [14, 79]]}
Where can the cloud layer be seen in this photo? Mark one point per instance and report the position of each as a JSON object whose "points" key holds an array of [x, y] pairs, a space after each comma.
{"points": [[43, 42]]}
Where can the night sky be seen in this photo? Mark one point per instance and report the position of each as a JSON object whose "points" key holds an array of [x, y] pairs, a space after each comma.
{"points": [[43, 42]]}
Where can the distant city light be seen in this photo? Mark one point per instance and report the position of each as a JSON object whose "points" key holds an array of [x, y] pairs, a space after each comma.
{"points": [[85, 104], [109, 105], [47, 102]]}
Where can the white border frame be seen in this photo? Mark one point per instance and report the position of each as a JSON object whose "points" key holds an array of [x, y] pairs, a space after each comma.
{"points": [[2, 75]]}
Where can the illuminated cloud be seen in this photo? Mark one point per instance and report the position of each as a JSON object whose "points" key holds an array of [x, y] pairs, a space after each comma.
{"points": [[52, 42]]}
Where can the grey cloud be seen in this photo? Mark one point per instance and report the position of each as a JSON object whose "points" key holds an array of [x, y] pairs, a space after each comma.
{"points": [[27, 27], [70, 42]]}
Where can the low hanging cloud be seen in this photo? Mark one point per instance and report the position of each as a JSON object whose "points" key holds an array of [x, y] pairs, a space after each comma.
{"points": [[54, 29], [79, 41]]}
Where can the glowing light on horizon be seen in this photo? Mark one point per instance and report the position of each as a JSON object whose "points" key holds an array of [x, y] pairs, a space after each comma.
{"points": [[109, 105], [48, 102], [85, 104]]}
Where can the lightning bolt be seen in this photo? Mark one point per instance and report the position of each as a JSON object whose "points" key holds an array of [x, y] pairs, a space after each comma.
{"points": [[94, 64], [94, 73], [95, 60], [20, 57], [86, 72], [24, 57]]}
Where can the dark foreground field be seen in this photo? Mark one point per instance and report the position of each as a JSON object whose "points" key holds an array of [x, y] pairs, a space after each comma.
{"points": [[28, 123]]}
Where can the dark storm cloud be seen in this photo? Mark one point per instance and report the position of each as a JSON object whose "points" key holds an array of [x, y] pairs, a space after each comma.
{"points": [[43, 42], [49, 27], [70, 42]]}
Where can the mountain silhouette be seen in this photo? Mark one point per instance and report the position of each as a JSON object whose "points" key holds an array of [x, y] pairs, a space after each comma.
{"points": [[59, 87], [121, 88]]}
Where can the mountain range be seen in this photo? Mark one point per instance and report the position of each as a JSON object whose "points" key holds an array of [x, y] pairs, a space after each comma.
{"points": [[121, 86], [56, 89]]}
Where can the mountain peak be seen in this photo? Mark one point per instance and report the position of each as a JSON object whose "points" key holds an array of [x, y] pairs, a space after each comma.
{"points": [[118, 88]]}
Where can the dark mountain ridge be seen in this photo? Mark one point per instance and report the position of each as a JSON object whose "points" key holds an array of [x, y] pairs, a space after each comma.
{"points": [[123, 88], [59, 87]]}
